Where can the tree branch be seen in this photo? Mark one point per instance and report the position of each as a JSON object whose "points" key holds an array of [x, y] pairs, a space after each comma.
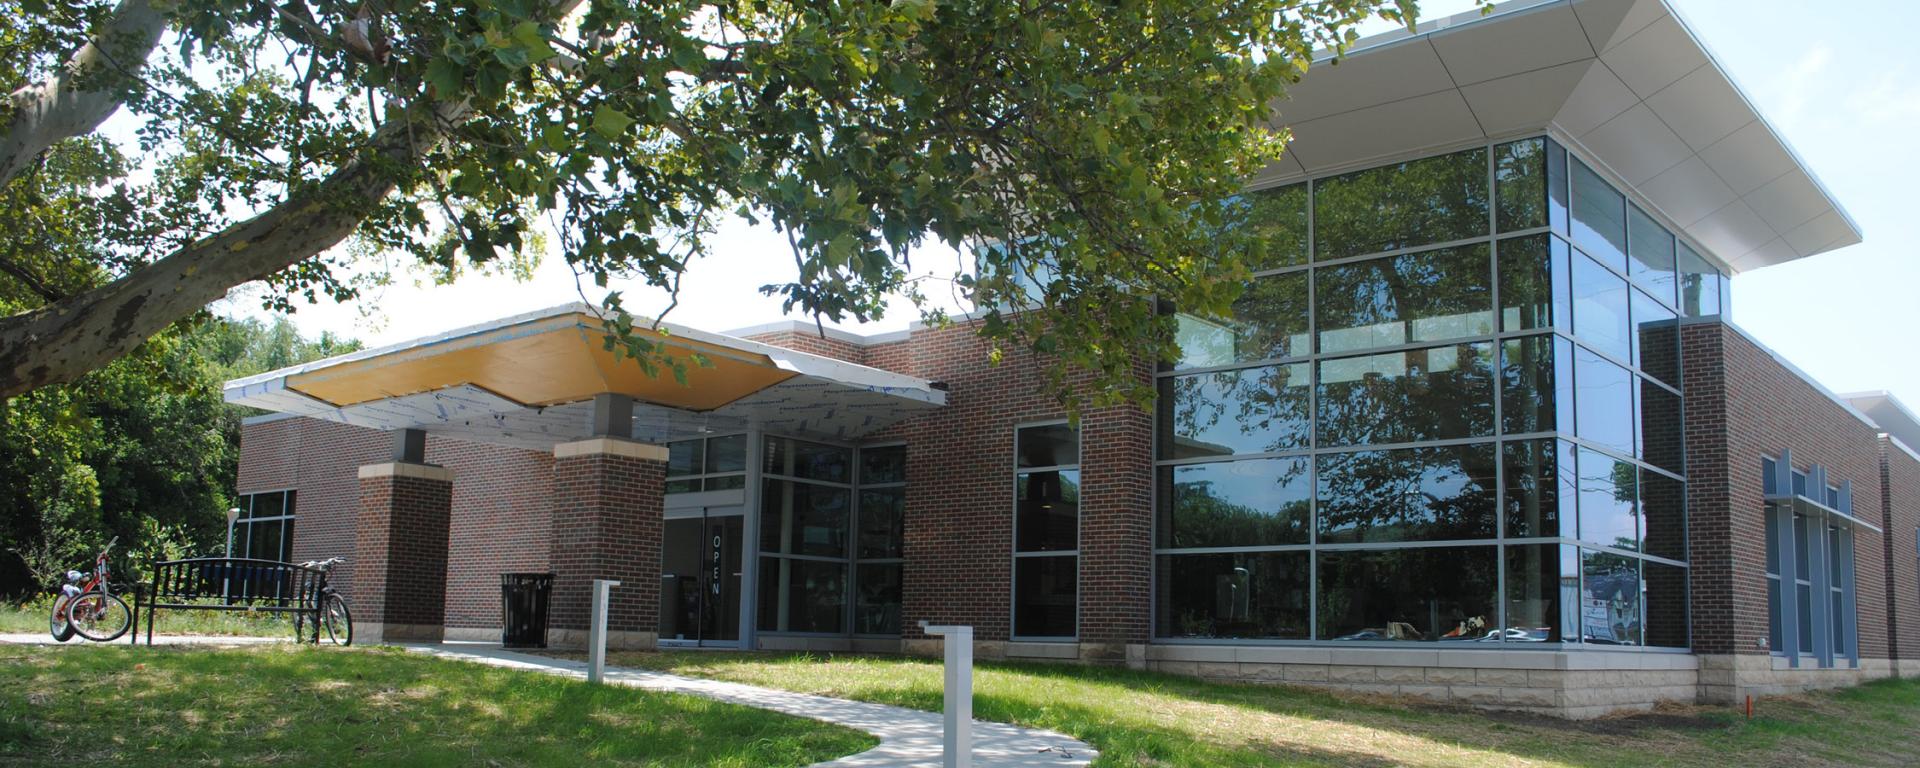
{"points": [[84, 93]]}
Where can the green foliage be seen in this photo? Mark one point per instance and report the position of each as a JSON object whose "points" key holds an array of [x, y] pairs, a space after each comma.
{"points": [[1095, 144], [115, 705], [143, 449]]}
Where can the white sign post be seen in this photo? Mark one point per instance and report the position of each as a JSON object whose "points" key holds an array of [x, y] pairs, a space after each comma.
{"points": [[597, 631], [958, 711]]}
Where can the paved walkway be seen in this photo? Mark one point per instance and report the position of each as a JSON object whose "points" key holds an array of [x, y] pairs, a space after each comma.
{"points": [[909, 738]]}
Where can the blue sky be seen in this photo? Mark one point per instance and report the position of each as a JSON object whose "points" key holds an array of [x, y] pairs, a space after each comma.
{"points": [[1842, 87]]}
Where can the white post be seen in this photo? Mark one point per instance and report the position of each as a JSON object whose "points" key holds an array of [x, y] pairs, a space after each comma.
{"points": [[957, 751], [597, 633]]}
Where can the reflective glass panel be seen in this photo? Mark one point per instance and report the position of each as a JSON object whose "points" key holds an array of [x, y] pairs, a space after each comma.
{"points": [[1252, 595], [1236, 503], [1609, 599], [1663, 506], [1280, 217], [1534, 283], [803, 519], [1599, 217], [1407, 494], [1665, 596], [808, 460], [1520, 181], [882, 514], [1048, 445], [1426, 296], [1650, 254], [1543, 592], [1699, 284], [1557, 187], [1600, 308], [1431, 200], [1269, 321], [884, 464], [727, 454], [1045, 596], [1603, 401], [1443, 594], [1252, 410], [802, 595], [1402, 397], [1609, 500], [1536, 380], [1656, 339], [1047, 511], [684, 457], [876, 599], [1540, 488]]}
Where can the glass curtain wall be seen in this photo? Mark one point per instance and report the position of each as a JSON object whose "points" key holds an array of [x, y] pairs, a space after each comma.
{"points": [[1046, 531], [879, 547], [806, 516], [1446, 409], [707, 464]]}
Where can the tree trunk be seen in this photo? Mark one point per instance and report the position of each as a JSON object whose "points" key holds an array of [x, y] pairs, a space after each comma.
{"points": [[60, 342], [84, 93]]}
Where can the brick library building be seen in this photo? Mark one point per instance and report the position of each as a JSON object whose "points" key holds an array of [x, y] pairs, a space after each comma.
{"points": [[1481, 429]]}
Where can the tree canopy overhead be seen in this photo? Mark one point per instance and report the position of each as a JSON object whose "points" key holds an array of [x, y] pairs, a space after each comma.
{"points": [[1092, 142]]}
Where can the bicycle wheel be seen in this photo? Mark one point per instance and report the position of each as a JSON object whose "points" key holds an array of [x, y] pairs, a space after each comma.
{"points": [[57, 624], [337, 620], [99, 617]]}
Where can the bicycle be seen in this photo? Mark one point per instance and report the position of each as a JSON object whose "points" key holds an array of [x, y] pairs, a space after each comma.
{"points": [[89, 608], [335, 616]]}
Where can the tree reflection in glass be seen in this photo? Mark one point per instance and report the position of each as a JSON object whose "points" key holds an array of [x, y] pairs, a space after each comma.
{"points": [[1252, 410], [1269, 321], [1402, 397], [1427, 296], [1236, 503], [1431, 200], [1443, 594], [1407, 494]]}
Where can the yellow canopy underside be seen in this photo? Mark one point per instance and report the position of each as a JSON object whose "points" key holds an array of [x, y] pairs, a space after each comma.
{"points": [[549, 361]]}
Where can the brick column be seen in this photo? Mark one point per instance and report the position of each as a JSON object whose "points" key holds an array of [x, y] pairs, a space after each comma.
{"points": [[400, 552], [1116, 534], [607, 520]]}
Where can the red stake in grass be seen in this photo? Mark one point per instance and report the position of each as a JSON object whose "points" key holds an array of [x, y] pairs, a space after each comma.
{"points": [[1749, 706]]}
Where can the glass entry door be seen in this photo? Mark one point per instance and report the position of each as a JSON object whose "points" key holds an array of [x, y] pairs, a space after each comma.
{"points": [[700, 560]]}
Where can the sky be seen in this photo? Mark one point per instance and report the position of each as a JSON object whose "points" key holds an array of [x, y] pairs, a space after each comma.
{"points": [[1843, 88]]}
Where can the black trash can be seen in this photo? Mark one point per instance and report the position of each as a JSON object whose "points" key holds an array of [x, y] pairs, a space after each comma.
{"points": [[523, 609]]}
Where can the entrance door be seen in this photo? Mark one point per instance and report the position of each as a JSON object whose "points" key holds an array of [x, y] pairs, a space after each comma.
{"points": [[700, 576]]}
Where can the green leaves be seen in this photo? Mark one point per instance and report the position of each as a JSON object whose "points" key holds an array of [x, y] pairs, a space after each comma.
{"points": [[610, 122]]}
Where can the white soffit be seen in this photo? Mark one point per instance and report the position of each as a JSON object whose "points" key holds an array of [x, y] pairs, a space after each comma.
{"points": [[1889, 413], [1624, 81]]}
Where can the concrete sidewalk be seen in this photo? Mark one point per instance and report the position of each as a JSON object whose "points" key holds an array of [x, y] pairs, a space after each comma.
{"points": [[909, 738]]}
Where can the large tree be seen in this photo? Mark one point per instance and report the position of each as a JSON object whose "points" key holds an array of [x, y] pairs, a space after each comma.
{"points": [[1091, 142]]}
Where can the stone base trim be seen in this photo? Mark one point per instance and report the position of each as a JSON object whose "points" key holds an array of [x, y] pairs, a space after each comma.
{"points": [[576, 639], [1569, 684], [1730, 679], [472, 635], [407, 469], [376, 632], [612, 446]]}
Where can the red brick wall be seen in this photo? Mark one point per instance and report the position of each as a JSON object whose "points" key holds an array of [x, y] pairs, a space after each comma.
{"points": [[400, 544], [607, 512], [1900, 516], [1741, 405], [959, 522], [814, 344], [502, 503]]}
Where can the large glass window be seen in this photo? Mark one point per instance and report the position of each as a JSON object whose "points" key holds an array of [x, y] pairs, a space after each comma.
{"points": [[1700, 284], [1427, 296], [1269, 321], [1409, 494], [1448, 386], [1398, 397], [264, 529], [1255, 502], [880, 545], [1812, 613], [1280, 217], [1249, 410], [707, 464], [1258, 595], [1443, 594], [1046, 525], [1432, 200], [806, 525]]}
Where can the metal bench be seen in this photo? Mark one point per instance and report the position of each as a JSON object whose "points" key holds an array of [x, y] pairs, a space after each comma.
{"points": [[229, 584]]}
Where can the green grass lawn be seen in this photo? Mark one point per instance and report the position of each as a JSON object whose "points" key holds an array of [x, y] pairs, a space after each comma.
{"points": [[1149, 719], [285, 705], [31, 617]]}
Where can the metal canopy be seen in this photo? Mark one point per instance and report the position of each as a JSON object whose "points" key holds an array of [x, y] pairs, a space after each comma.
{"points": [[528, 381], [1623, 81]]}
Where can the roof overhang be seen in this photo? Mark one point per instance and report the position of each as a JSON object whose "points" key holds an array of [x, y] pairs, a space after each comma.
{"points": [[1622, 81], [529, 381], [1889, 414]]}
